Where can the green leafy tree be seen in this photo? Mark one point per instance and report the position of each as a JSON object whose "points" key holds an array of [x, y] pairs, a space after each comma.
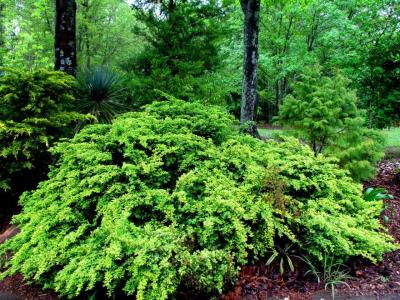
{"points": [[381, 90], [104, 33], [29, 30], [324, 113], [360, 38]]}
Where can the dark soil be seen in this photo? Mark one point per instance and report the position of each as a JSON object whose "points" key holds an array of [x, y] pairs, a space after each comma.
{"points": [[14, 287], [257, 282]]}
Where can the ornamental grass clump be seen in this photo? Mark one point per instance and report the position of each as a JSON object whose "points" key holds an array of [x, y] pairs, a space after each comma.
{"points": [[174, 198]]}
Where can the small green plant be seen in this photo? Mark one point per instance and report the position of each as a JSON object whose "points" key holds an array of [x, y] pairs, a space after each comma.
{"points": [[379, 194], [101, 93], [374, 194], [330, 274], [284, 257]]}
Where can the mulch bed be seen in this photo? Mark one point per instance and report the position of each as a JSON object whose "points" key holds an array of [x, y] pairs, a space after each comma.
{"points": [[256, 282], [16, 288]]}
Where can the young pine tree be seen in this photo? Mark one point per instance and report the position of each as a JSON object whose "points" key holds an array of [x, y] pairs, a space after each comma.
{"points": [[181, 46], [323, 112]]}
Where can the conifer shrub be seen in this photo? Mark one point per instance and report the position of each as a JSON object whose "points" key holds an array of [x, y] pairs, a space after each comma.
{"points": [[174, 198], [36, 109], [323, 112]]}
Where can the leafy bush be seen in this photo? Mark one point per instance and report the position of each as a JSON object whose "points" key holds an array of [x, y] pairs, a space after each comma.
{"points": [[101, 93], [35, 111], [324, 113], [174, 198], [372, 194]]}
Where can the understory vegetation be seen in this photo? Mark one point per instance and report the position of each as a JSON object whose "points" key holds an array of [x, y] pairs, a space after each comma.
{"points": [[36, 110], [175, 198], [131, 165]]}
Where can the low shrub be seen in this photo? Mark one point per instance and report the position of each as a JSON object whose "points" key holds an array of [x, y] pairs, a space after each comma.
{"points": [[36, 109], [175, 198]]}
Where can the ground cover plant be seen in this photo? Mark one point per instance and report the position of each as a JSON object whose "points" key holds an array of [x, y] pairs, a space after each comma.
{"points": [[174, 198]]}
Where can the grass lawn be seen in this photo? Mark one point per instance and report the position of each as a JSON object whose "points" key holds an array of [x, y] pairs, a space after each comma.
{"points": [[268, 132], [392, 142], [392, 136]]}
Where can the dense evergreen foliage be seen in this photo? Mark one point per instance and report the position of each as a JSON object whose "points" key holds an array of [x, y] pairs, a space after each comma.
{"points": [[2, 33], [181, 40], [125, 191], [36, 109], [324, 112], [174, 198], [193, 49]]}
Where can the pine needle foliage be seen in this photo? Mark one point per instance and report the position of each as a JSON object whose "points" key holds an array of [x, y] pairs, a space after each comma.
{"points": [[36, 109], [323, 112], [173, 198]]}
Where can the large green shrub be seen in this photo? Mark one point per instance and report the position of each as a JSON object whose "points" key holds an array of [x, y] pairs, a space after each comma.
{"points": [[174, 198], [323, 112], [35, 110]]}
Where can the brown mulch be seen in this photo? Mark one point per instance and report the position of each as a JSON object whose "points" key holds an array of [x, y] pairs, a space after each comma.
{"points": [[14, 287], [256, 282], [383, 278]]}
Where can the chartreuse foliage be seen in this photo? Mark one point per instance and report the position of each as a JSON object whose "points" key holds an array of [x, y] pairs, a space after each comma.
{"points": [[35, 110], [173, 197], [323, 111]]}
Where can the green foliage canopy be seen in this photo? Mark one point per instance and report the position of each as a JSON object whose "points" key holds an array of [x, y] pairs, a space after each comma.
{"points": [[181, 41]]}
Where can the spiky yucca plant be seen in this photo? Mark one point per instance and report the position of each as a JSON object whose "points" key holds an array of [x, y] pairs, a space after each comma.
{"points": [[101, 93]]}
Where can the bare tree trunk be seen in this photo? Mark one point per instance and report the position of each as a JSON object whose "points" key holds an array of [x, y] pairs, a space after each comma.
{"points": [[2, 33], [251, 11], [65, 37]]}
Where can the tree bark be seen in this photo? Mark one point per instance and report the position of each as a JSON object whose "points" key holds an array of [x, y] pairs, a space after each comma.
{"points": [[65, 37], [2, 33], [251, 11]]}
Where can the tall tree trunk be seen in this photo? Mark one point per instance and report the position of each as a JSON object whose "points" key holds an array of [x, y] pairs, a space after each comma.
{"points": [[86, 34], [2, 33], [65, 37], [251, 11]]}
